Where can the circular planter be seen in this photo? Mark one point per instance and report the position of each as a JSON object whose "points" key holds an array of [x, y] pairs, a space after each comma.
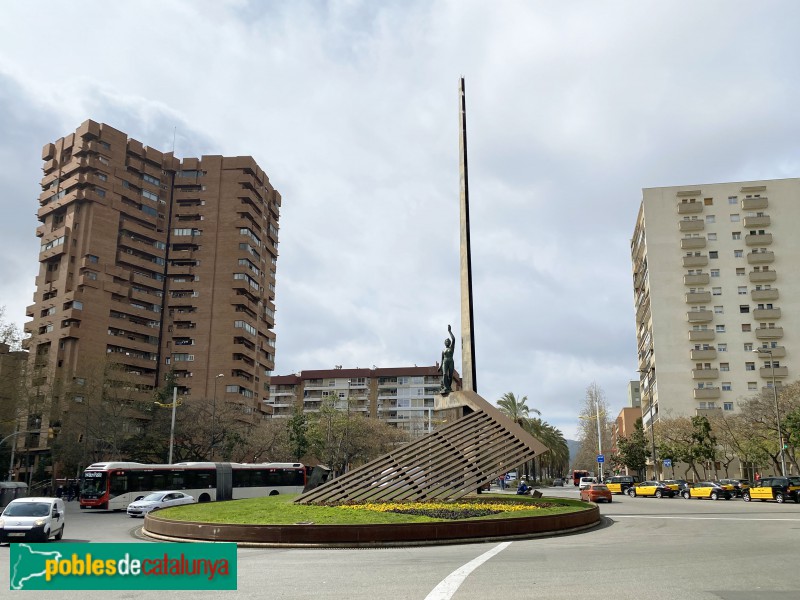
{"points": [[308, 534]]}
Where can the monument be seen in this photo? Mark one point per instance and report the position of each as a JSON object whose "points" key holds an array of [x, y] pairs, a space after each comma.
{"points": [[476, 444]]}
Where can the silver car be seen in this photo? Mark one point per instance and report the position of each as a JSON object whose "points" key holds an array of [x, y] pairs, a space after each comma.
{"points": [[157, 501]]}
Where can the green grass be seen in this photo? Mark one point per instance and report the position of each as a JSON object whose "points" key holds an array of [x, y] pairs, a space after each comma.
{"points": [[279, 510]]}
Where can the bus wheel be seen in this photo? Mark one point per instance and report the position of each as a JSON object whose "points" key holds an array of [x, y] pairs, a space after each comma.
{"points": [[204, 498], [273, 493]]}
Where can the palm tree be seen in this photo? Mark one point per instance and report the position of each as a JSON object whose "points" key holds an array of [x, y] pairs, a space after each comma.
{"points": [[518, 411], [557, 459]]}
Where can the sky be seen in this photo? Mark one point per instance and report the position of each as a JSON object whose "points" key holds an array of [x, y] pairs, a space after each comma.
{"points": [[351, 108]]}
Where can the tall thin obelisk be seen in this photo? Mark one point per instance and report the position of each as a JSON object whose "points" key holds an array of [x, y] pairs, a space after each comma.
{"points": [[468, 379]]}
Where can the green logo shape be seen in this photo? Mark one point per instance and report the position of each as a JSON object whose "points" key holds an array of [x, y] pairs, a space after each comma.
{"points": [[123, 566]]}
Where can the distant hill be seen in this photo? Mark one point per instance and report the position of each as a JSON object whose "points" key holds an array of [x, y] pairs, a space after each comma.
{"points": [[574, 447]]}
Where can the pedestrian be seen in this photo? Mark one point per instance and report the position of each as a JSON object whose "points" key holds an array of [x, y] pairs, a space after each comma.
{"points": [[757, 476], [60, 491]]}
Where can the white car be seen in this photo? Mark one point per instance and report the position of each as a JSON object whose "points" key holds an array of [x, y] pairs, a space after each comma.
{"points": [[32, 519], [585, 482], [157, 501]]}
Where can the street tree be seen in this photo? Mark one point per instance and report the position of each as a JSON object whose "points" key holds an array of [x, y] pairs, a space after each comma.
{"points": [[633, 450]]}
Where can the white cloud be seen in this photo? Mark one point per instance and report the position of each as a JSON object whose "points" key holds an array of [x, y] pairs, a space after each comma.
{"points": [[351, 109]]}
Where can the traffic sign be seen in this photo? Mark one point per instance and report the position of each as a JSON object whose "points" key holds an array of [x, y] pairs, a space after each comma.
{"points": [[667, 462], [601, 458]]}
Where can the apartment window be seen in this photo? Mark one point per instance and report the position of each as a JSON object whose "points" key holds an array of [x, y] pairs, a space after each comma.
{"points": [[722, 347], [101, 176], [234, 389], [744, 308], [718, 310], [100, 192], [736, 235], [246, 326], [713, 254], [715, 272], [92, 258], [711, 219], [732, 199], [752, 385], [746, 327], [767, 306], [734, 218], [727, 406], [749, 366], [726, 386], [150, 179], [183, 357], [742, 290], [716, 291], [712, 237], [150, 195], [90, 275], [738, 253], [103, 160], [740, 272], [708, 201], [719, 328]]}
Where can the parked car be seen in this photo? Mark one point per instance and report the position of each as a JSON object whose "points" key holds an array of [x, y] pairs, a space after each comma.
{"points": [[681, 483], [709, 489], [657, 489], [32, 519], [619, 484], [558, 482], [779, 489], [157, 501], [586, 482], [596, 492], [739, 485]]}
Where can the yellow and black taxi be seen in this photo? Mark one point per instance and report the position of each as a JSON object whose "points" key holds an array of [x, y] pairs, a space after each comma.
{"points": [[779, 489], [619, 484], [658, 489], [739, 485], [709, 489]]}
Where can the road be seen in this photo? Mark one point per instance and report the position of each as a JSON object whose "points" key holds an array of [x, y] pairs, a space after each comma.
{"points": [[646, 548]]}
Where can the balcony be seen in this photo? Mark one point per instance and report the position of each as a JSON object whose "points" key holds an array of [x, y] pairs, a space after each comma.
{"points": [[766, 314], [693, 243], [758, 239], [705, 373], [775, 352], [760, 258], [698, 297], [769, 333], [766, 372], [706, 393], [755, 203], [698, 279], [763, 276], [759, 295], [709, 354], [695, 261], [699, 316], [701, 335], [693, 225], [688, 208], [762, 221]]}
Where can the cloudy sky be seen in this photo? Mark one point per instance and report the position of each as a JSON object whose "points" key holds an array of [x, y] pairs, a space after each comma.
{"points": [[351, 107]]}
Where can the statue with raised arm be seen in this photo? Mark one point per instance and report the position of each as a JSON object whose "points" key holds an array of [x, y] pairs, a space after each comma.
{"points": [[446, 367]]}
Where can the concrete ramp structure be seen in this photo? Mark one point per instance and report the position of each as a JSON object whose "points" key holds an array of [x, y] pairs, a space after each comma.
{"points": [[456, 459]]}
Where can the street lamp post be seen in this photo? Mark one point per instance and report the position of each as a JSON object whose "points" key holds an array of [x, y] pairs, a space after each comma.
{"points": [[214, 415], [599, 435], [763, 350], [174, 405]]}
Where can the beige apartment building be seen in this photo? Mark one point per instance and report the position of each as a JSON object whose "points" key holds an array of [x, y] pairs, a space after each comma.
{"points": [[157, 265], [715, 278], [401, 396]]}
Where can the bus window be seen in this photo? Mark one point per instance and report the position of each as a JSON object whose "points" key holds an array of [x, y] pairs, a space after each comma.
{"points": [[119, 484]]}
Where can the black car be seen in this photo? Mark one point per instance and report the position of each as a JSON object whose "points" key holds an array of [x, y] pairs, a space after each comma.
{"points": [[739, 485], [681, 483]]}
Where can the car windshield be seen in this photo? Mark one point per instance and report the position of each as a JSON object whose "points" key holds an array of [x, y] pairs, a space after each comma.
{"points": [[27, 509], [794, 480], [154, 497], [599, 487]]}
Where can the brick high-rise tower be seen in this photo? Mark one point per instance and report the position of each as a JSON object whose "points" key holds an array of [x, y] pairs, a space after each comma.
{"points": [[157, 265]]}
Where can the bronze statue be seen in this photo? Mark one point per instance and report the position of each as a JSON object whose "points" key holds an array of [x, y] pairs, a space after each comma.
{"points": [[446, 367]]}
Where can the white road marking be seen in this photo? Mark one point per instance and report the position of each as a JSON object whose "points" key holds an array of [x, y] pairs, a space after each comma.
{"points": [[448, 586], [700, 518]]}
